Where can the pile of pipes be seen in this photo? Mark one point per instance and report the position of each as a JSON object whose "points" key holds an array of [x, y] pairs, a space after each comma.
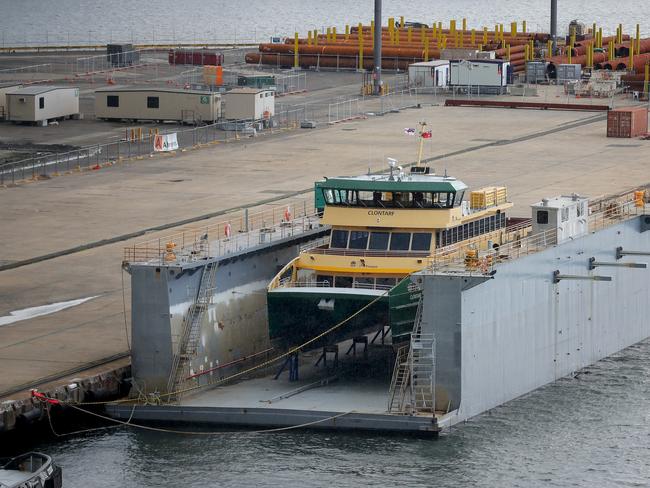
{"points": [[401, 46], [615, 53]]}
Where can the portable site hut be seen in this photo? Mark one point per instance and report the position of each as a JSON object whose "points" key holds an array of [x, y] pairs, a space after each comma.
{"points": [[42, 103], [4, 88], [489, 74], [429, 74], [174, 104], [249, 104]]}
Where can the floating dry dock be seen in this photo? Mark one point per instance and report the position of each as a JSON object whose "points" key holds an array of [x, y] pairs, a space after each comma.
{"points": [[561, 292]]}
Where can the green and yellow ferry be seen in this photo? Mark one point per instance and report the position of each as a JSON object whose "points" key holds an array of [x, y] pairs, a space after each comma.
{"points": [[384, 227]]}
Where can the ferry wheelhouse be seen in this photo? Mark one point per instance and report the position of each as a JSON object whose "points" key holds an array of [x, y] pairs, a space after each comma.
{"points": [[384, 227]]}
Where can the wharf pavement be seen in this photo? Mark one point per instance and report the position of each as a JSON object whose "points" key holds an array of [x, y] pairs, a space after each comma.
{"points": [[535, 153]]}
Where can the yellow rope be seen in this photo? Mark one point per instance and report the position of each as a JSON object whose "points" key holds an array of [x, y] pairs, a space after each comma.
{"points": [[261, 365]]}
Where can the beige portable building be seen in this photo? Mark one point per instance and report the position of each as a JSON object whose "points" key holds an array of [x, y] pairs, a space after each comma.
{"points": [[4, 88], [161, 104], [249, 104], [42, 103]]}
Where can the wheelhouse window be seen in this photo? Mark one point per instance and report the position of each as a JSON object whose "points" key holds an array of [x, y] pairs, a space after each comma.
{"points": [[358, 239], [421, 241], [392, 199], [367, 283], [386, 283], [400, 241], [542, 217], [339, 239], [379, 241]]}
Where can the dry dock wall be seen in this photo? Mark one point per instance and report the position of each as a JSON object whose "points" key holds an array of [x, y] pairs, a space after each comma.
{"points": [[503, 337], [235, 324]]}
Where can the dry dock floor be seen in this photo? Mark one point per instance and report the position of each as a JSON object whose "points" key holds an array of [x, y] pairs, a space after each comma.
{"points": [[534, 153]]}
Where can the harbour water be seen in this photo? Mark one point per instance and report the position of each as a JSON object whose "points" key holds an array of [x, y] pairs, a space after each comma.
{"points": [[70, 22], [589, 430]]}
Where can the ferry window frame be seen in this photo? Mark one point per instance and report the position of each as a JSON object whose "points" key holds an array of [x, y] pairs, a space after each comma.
{"points": [[342, 231], [565, 214], [368, 282], [542, 217], [389, 281], [424, 246], [381, 234], [347, 280], [355, 235], [325, 278], [392, 199], [408, 243]]}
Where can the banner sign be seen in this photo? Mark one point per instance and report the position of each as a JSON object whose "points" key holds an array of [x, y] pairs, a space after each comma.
{"points": [[167, 142]]}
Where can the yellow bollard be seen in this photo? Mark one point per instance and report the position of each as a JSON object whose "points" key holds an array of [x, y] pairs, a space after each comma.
{"points": [[570, 52], [295, 51], [464, 24], [593, 30], [532, 49], [479, 47], [360, 46], [549, 48], [409, 35], [638, 39], [473, 37], [426, 49], [391, 30], [334, 34], [526, 53], [372, 33], [630, 64], [315, 37], [452, 28], [347, 32], [401, 22], [328, 35], [523, 26], [485, 35], [600, 37], [309, 38], [444, 42], [496, 32], [461, 39], [610, 50], [508, 52], [513, 29], [423, 34], [620, 33], [502, 36]]}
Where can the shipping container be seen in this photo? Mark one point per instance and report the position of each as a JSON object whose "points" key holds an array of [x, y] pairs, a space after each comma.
{"points": [[197, 57], [627, 122], [122, 54], [568, 72], [256, 81], [535, 72], [480, 73], [249, 104], [4, 88]]}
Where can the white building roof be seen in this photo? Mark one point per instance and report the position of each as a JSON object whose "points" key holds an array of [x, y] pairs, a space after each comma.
{"points": [[38, 90], [560, 201]]}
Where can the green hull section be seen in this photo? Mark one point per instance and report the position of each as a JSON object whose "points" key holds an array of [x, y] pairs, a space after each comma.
{"points": [[296, 317]]}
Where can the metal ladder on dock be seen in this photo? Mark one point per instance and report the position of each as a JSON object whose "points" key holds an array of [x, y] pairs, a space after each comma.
{"points": [[191, 330], [414, 372]]}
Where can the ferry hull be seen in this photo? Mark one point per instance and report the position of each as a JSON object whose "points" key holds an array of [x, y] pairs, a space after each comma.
{"points": [[298, 315]]}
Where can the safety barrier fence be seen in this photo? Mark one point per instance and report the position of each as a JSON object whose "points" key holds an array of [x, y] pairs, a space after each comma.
{"points": [[142, 145]]}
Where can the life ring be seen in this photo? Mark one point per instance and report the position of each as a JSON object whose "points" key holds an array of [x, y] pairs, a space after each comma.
{"points": [[227, 230], [287, 214]]}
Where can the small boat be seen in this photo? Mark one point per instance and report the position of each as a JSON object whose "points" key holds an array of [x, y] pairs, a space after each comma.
{"points": [[31, 470]]}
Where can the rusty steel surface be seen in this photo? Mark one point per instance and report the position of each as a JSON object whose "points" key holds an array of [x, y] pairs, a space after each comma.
{"points": [[535, 105]]}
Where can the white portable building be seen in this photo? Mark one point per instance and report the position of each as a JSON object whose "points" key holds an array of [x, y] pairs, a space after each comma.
{"points": [[429, 74], [249, 104], [4, 88], [480, 73], [567, 215], [42, 103], [162, 104]]}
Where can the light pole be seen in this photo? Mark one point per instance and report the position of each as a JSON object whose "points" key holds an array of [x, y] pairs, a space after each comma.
{"points": [[377, 51], [554, 25]]}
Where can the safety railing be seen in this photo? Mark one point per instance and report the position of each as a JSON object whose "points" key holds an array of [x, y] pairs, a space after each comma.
{"points": [[288, 283], [239, 231]]}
